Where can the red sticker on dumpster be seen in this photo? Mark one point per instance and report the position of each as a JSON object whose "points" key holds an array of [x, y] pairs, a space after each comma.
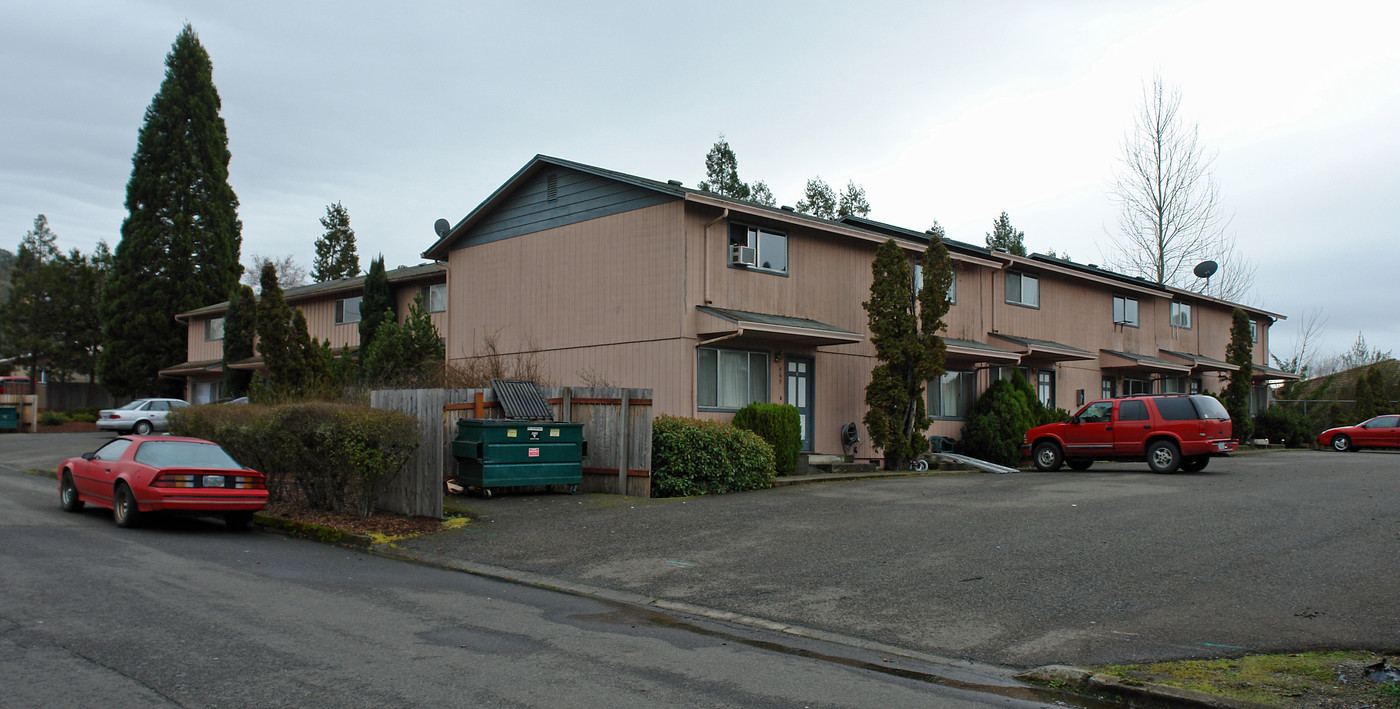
{"points": [[534, 452]]}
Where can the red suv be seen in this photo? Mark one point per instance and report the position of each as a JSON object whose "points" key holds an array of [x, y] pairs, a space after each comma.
{"points": [[1169, 431]]}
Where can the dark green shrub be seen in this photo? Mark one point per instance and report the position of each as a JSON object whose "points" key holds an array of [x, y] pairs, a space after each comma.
{"points": [[336, 457], [52, 418], [778, 424], [1000, 418], [82, 415], [1279, 424], [692, 457]]}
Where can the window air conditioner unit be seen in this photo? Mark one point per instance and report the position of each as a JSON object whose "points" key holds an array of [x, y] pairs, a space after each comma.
{"points": [[740, 255]]}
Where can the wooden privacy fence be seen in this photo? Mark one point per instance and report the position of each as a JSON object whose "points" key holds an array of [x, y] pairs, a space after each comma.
{"points": [[27, 406], [616, 424]]}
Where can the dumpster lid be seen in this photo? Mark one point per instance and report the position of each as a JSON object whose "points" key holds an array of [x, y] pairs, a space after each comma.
{"points": [[521, 400]]}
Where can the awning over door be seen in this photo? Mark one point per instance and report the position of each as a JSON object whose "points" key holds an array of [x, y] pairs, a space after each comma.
{"points": [[772, 328], [1200, 363], [971, 352], [1111, 360], [190, 369], [1264, 373], [1043, 350]]}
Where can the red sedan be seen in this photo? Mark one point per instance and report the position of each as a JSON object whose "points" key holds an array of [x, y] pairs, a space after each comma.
{"points": [[1379, 432], [134, 475]]}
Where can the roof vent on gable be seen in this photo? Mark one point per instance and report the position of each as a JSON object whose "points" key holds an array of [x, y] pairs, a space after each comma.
{"points": [[551, 187], [674, 183]]}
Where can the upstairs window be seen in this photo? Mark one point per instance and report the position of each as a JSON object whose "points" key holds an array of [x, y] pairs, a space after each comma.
{"points": [[347, 310], [1253, 332], [1022, 289], [1125, 311], [213, 329], [1181, 315], [757, 248], [952, 284], [434, 297]]}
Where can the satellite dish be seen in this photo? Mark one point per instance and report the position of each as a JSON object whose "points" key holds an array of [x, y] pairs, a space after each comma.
{"points": [[1206, 269], [442, 226]]}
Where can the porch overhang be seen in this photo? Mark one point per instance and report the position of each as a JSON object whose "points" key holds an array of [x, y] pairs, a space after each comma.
{"points": [[773, 328], [1199, 363], [1110, 360], [191, 369], [1264, 373], [1043, 350], [972, 352], [253, 363]]}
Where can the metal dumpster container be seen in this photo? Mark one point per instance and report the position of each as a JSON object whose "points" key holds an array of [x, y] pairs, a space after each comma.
{"points": [[9, 418], [498, 453]]}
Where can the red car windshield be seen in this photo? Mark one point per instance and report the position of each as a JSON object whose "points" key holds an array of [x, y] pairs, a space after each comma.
{"points": [[185, 454]]}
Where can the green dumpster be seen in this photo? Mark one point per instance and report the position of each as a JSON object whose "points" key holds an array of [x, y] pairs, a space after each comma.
{"points": [[499, 453], [9, 418]]}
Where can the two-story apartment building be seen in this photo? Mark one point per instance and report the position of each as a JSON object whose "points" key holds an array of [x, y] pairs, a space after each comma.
{"points": [[713, 303], [332, 311]]}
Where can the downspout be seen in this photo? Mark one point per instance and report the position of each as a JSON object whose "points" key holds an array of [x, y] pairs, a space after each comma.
{"points": [[705, 258]]}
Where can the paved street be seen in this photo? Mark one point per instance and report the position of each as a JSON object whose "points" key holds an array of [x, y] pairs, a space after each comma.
{"points": [[186, 613], [1274, 551]]}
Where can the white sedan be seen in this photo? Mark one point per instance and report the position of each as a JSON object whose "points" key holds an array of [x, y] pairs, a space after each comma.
{"points": [[141, 416]]}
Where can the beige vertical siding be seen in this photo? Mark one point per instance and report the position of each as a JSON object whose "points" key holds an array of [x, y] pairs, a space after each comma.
{"points": [[197, 348]]}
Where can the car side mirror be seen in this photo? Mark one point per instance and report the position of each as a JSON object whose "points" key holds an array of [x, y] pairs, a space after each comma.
{"points": [[89, 456], [1074, 418]]}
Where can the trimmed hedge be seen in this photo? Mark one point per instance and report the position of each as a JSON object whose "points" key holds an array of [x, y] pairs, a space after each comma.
{"points": [[1000, 418], [1287, 425], [336, 457], [778, 424], [693, 457]]}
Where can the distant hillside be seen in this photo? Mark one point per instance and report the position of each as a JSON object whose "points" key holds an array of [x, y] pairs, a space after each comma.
{"points": [[1334, 394]]}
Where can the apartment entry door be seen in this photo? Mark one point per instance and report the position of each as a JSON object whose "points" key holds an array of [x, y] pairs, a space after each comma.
{"points": [[799, 394]]}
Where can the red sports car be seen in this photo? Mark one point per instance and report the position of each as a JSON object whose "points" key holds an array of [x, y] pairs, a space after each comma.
{"points": [[1379, 432], [134, 475]]}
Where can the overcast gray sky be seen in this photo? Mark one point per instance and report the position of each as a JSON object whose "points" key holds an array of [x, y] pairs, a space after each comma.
{"points": [[954, 111]]}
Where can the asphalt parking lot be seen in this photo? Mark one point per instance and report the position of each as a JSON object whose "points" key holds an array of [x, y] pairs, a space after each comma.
{"points": [[1266, 552]]}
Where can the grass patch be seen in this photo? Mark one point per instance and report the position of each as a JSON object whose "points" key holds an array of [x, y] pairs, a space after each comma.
{"points": [[1308, 679]]}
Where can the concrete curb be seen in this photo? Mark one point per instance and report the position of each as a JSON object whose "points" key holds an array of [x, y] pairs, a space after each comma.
{"points": [[1086, 682]]}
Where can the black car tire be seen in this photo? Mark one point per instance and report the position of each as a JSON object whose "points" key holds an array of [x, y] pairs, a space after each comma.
{"points": [[142, 428], [1195, 464], [238, 521], [1047, 457], [1341, 443], [68, 494], [124, 508], [1079, 463], [1163, 457]]}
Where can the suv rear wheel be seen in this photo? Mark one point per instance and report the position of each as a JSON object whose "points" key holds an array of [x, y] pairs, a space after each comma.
{"points": [[1047, 457], [1163, 457]]}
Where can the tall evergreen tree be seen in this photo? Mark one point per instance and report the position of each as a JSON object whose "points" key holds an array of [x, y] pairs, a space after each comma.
{"points": [[78, 285], [31, 316], [722, 172], [853, 202], [904, 327], [403, 356], [818, 199], [240, 326], [1240, 353], [376, 304], [7, 266], [335, 250], [278, 338], [1005, 236], [180, 241]]}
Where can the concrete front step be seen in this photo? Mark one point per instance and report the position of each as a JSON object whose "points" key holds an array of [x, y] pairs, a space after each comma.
{"points": [[813, 463]]}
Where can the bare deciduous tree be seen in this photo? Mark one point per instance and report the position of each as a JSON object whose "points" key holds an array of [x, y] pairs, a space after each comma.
{"points": [[1302, 355], [1170, 217], [289, 274]]}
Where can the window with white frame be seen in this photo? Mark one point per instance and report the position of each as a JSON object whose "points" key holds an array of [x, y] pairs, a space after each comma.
{"points": [[1022, 289], [347, 310], [1136, 387], [213, 329], [729, 379], [1181, 315], [1109, 388], [758, 248], [952, 284], [952, 395], [434, 297], [1253, 331], [1125, 311]]}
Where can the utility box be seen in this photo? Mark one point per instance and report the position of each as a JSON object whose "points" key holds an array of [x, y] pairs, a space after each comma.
{"points": [[9, 418], [499, 453]]}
